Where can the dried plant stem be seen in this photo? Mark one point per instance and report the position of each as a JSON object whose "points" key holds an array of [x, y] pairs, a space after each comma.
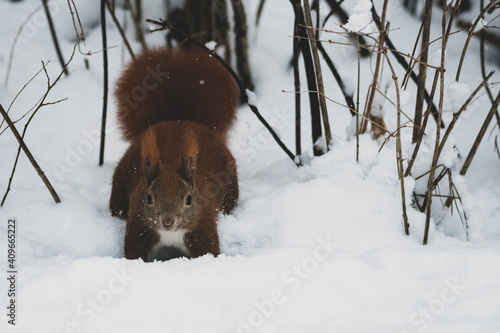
{"points": [[305, 48], [241, 44], [296, 79], [165, 25], [471, 33], [36, 108], [30, 157], [422, 71], [424, 125], [357, 101], [14, 44], [457, 114], [482, 36], [137, 18], [480, 136], [15, 98], [105, 81], [438, 129], [348, 97], [381, 42], [412, 63], [259, 11], [399, 154], [373, 123], [54, 37], [402, 61], [120, 29], [319, 74]]}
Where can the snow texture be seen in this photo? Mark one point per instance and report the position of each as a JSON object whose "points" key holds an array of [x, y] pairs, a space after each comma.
{"points": [[320, 248]]}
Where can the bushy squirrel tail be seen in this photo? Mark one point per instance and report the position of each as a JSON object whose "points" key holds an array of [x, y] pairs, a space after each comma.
{"points": [[176, 85]]}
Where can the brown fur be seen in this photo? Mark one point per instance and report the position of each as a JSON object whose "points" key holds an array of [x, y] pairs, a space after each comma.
{"points": [[214, 187], [173, 84], [178, 173]]}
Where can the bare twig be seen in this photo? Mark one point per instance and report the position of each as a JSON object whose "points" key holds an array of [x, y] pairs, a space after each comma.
{"points": [[15, 98], [347, 96], [30, 157], [357, 102], [36, 108], [241, 44], [319, 75], [491, 5], [399, 154], [480, 136], [54, 37], [296, 79], [165, 25], [259, 11], [120, 29], [105, 83], [435, 157], [482, 36], [401, 60], [14, 43], [457, 114], [382, 129], [305, 48], [422, 72], [80, 35], [381, 42], [137, 19]]}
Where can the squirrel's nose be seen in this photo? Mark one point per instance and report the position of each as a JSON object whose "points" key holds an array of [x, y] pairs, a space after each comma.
{"points": [[167, 222]]}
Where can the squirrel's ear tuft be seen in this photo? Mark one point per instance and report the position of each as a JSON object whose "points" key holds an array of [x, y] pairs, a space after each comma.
{"points": [[187, 170], [188, 166], [150, 155]]}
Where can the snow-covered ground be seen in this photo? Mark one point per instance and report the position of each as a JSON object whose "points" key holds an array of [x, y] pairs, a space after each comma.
{"points": [[319, 248]]}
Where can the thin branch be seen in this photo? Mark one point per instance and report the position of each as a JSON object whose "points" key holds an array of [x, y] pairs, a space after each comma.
{"points": [[120, 29], [30, 157], [480, 136], [259, 12], [15, 98], [438, 129], [54, 37], [319, 75], [462, 109], [491, 5], [165, 25], [401, 60], [14, 43], [296, 79], [376, 74], [482, 36], [422, 71], [399, 154], [305, 48], [105, 83], [348, 97], [39, 105]]}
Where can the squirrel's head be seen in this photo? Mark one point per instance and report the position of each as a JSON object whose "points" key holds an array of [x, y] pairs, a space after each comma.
{"points": [[170, 201]]}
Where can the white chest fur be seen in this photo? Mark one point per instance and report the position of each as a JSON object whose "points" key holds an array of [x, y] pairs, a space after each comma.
{"points": [[172, 238]]}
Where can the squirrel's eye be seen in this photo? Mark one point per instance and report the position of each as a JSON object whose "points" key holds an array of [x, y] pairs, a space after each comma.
{"points": [[189, 199], [150, 199]]}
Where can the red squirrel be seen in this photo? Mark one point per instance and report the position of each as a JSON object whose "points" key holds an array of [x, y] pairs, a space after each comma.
{"points": [[176, 107]]}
